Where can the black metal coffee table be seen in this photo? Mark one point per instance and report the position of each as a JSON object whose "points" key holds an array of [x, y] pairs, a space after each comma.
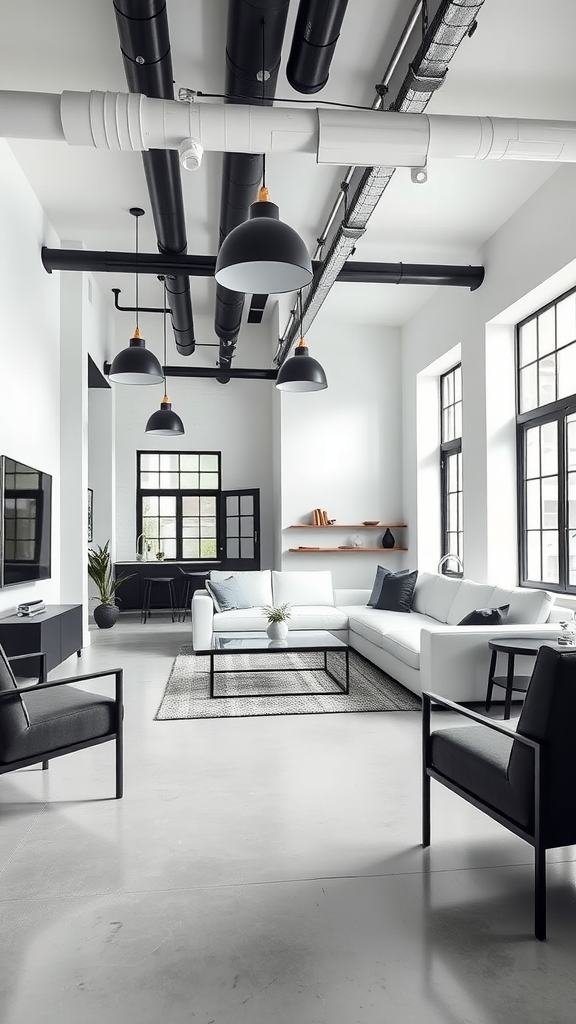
{"points": [[319, 640]]}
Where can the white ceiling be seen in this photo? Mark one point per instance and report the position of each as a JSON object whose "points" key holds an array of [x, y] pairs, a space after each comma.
{"points": [[518, 63]]}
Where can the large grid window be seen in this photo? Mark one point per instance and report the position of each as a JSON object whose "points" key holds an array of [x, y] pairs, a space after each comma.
{"points": [[546, 417], [178, 502], [451, 469]]}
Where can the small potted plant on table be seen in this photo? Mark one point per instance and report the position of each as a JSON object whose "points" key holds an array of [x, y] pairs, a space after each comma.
{"points": [[277, 628], [100, 570]]}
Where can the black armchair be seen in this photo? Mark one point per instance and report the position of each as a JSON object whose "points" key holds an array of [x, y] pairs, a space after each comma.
{"points": [[49, 719], [525, 779]]}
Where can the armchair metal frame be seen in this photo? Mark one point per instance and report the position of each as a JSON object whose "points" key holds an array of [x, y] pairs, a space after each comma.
{"points": [[533, 838], [118, 673]]}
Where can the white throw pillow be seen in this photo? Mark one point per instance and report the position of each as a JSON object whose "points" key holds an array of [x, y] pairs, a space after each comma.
{"points": [[256, 586], [526, 605], [309, 588], [470, 596]]}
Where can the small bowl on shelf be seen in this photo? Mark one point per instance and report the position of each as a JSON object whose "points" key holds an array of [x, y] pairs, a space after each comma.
{"points": [[370, 522]]}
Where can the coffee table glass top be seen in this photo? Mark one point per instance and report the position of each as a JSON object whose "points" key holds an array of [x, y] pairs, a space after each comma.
{"points": [[297, 640]]}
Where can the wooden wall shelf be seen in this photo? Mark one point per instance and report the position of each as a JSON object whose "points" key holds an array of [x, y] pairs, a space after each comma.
{"points": [[315, 551], [347, 526]]}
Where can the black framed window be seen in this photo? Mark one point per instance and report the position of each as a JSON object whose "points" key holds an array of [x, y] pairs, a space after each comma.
{"points": [[546, 445], [451, 469], [178, 503]]}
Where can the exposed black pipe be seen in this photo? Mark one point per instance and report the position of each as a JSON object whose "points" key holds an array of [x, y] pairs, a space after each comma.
{"points": [[145, 45], [316, 33], [353, 271], [242, 172], [238, 372]]}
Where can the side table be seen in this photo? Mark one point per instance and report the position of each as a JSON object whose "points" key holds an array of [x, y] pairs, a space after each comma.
{"points": [[512, 646]]}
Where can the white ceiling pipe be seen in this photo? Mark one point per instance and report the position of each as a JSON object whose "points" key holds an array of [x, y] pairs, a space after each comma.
{"points": [[129, 121]]}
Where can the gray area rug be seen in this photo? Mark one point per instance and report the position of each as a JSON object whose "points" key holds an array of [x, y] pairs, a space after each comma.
{"points": [[187, 690]]}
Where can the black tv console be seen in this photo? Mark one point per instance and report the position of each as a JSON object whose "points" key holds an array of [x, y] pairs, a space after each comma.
{"points": [[57, 631]]}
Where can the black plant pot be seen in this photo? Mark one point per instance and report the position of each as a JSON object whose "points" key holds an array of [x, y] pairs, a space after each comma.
{"points": [[105, 615], [388, 540]]}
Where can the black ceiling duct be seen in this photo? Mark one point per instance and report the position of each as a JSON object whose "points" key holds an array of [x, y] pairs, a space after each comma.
{"points": [[145, 44], [251, 25], [316, 33]]}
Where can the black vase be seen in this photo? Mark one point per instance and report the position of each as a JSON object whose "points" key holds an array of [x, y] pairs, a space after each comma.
{"points": [[105, 615], [388, 540]]}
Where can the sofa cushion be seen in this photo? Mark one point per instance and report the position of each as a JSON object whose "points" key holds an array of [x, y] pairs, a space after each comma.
{"points": [[422, 591], [256, 586], [240, 620], [441, 597], [485, 616], [374, 625], [469, 597], [404, 645], [526, 605], [397, 591], [308, 588], [317, 617], [226, 594]]}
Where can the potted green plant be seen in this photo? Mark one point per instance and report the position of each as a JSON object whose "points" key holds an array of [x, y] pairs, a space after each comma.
{"points": [[277, 628], [100, 570]]}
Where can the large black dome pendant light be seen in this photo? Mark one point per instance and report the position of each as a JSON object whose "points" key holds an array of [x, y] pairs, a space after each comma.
{"points": [[135, 364], [301, 372], [164, 421], [263, 255]]}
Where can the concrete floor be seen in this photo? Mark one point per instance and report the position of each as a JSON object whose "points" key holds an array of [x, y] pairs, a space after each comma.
{"points": [[264, 870]]}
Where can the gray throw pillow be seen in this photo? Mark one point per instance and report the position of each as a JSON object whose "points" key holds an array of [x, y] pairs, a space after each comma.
{"points": [[226, 594], [397, 591], [485, 616], [381, 572]]}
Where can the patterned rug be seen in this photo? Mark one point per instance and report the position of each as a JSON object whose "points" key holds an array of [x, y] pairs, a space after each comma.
{"points": [[187, 690]]}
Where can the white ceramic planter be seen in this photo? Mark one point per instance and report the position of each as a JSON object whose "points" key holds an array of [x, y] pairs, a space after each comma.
{"points": [[277, 630]]}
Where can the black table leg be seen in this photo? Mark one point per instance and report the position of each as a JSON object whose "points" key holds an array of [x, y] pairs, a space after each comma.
{"points": [[211, 675], [491, 672], [509, 685]]}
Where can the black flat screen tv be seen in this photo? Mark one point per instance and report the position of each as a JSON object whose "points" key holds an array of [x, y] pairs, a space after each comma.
{"points": [[26, 523]]}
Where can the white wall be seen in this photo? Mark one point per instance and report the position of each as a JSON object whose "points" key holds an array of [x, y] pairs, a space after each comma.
{"points": [[233, 418], [342, 449], [29, 351], [48, 323], [528, 261]]}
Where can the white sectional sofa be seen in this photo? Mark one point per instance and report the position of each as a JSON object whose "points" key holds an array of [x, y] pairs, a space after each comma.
{"points": [[424, 649]]}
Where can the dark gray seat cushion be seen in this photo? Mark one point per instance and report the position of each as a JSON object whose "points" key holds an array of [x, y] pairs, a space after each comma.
{"points": [[477, 760], [59, 716]]}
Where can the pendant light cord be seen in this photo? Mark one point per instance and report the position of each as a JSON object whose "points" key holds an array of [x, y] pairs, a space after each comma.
{"points": [[263, 23], [301, 314], [137, 325], [164, 332]]}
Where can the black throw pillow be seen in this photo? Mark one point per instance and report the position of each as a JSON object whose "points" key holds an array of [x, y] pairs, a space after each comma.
{"points": [[485, 616], [381, 572], [397, 591]]}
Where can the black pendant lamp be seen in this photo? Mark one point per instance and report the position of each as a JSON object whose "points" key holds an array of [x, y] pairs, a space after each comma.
{"points": [[263, 255], [301, 372], [135, 364], [164, 421]]}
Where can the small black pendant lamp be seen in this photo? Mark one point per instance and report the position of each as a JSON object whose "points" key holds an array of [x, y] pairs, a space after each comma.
{"points": [[135, 364], [164, 420], [301, 372]]}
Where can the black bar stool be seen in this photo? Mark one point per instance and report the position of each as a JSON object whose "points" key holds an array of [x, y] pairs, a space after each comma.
{"points": [[189, 580], [149, 582]]}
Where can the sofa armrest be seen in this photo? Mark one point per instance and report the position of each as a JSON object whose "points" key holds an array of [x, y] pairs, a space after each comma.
{"points": [[454, 660], [202, 620], [343, 598]]}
